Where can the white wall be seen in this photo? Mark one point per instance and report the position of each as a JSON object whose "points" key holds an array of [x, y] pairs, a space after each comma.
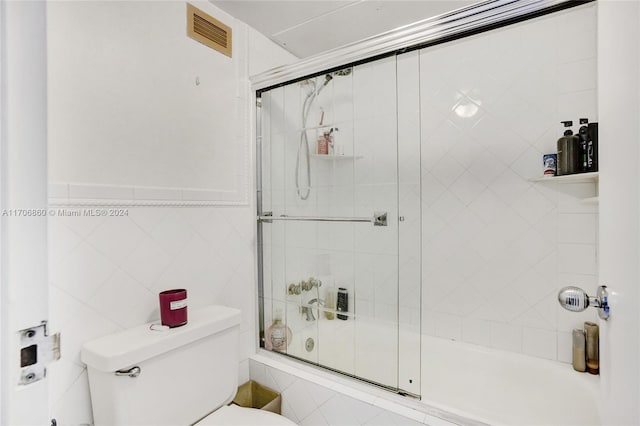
{"points": [[496, 246], [619, 109], [105, 272], [23, 197], [168, 135]]}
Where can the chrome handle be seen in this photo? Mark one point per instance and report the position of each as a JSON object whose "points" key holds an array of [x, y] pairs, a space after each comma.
{"points": [[132, 372], [308, 285], [575, 299]]}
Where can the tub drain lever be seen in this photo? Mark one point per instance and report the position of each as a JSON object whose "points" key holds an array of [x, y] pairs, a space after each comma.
{"points": [[575, 299]]}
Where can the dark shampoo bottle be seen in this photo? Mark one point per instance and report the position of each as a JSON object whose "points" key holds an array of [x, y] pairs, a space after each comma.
{"points": [[568, 151]]}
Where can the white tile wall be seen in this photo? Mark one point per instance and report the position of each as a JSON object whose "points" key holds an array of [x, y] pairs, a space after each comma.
{"points": [[497, 247], [97, 289], [105, 273]]}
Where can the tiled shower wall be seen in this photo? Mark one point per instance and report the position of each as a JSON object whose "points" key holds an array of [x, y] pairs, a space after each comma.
{"points": [[105, 272], [478, 114], [356, 256], [496, 246]]}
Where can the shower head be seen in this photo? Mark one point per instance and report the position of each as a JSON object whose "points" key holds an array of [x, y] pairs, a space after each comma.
{"points": [[327, 79]]}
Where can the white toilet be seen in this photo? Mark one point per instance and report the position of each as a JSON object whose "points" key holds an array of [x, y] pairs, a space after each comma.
{"points": [[180, 376]]}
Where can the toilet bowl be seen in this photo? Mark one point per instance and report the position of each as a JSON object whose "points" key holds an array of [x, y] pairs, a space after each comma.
{"points": [[186, 375]]}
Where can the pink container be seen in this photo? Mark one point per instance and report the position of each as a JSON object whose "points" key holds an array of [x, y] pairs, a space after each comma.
{"points": [[173, 307], [323, 144]]}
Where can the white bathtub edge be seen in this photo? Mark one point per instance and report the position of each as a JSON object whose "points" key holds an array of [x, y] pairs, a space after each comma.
{"points": [[369, 394]]}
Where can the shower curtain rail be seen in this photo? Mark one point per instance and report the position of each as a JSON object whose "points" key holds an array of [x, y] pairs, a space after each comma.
{"points": [[378, 218]]}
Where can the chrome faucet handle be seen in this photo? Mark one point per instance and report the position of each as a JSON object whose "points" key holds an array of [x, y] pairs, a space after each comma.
{"points": [[309, 284], [294, 289]]}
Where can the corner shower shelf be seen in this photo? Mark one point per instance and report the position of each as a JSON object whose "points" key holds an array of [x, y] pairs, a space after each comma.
{"points": [[336, 157], [591, 177], [575, 178]]}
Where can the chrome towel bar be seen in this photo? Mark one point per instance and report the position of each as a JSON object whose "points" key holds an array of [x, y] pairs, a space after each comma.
{"points": [[378, 218]]}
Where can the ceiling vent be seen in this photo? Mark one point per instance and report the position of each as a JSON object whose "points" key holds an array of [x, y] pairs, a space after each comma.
{"points": [[208, 30]]}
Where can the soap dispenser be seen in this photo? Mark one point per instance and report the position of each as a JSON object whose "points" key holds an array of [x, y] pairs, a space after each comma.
{"points": [[568, 151], [278, 336]]}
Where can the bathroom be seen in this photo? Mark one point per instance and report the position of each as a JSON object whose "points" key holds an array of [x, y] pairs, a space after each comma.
{"points": [[105, 272]]}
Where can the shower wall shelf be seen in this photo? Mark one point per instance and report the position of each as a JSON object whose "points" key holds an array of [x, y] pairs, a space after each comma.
{"points": [[324, 127], [336, 157], [591, 177], [574, 178], [591, 200]]}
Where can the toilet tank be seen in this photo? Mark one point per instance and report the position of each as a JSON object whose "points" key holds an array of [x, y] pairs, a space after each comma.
{"points": [[185, 372]]}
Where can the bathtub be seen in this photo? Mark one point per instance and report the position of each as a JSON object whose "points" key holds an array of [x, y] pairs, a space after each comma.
{"points": [[470, 385], [505, 388]]}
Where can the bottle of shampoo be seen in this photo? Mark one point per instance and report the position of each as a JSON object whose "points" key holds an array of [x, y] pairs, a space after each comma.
{"points": [[343, 302], [568, 151], [592, 334], [592, 147], [583, 136]]}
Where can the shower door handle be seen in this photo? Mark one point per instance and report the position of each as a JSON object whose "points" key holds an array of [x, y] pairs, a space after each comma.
{"points": [[378, 218]]}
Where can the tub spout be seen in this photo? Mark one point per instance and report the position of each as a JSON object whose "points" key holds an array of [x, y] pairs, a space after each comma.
{"points": [[308, 310]]}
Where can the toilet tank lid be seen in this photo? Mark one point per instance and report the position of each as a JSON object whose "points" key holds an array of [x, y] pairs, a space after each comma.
{"points": [[128, 347]]}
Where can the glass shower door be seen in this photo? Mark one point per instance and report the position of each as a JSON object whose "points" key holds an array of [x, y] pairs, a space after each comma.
{"points": [[329, 167]]}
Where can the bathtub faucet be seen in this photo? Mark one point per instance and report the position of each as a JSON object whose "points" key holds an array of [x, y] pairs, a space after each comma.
{"points": [[308, 310]]}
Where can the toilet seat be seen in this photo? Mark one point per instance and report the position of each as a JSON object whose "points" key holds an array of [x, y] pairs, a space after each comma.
{"points": [[233, 415]]}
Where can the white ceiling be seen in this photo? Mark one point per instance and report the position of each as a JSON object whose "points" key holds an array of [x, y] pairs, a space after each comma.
{"points": [[307, 27]]}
